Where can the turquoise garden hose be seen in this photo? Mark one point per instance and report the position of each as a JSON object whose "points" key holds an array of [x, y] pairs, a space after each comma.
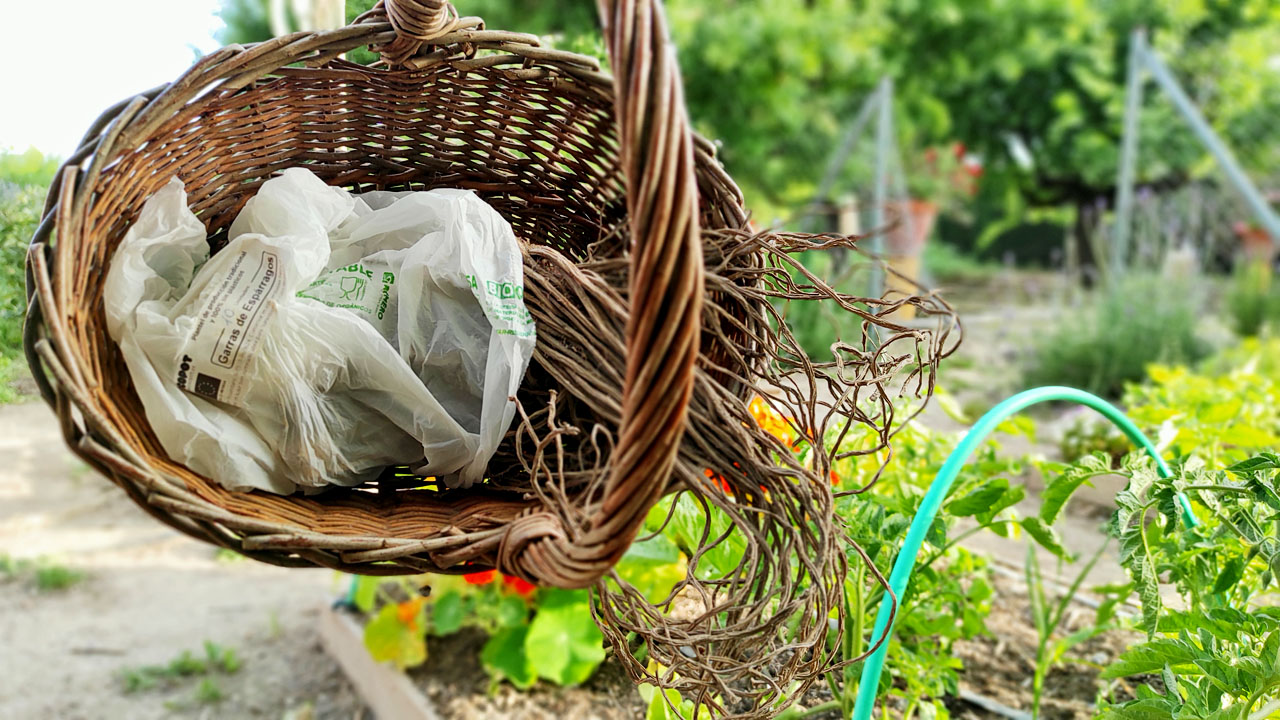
{"points": [[933, 500]]}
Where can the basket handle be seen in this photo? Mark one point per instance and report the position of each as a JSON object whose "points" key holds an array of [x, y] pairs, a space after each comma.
{"points": [[666, 288], [416, 22]]}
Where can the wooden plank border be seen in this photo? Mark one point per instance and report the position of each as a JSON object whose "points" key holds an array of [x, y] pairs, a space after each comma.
{"points": [[387, 692]]}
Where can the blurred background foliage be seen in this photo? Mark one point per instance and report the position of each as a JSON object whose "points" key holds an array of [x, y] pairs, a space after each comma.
{"points": [[1030, 93], [1036, 87]]}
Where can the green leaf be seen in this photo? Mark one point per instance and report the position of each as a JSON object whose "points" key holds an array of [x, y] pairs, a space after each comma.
{"points": [[937, 535], [979, 500], [366, 591], [1011, 497], [1231, 573], [1018, 425], [1152, 657], [1148, 593], [1171, 688], [1226, 624], [1262, 461], [679, 708], [1157, 708], [389, 640], [1045, 536], [504, 656], [447, 613], [653, 567], [512, 611], [1220, 672], [947, 403], [563, 643], [1061, 488]]}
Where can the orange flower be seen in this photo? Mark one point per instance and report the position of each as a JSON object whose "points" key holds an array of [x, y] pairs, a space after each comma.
{"points": [[520, 586], [484, 577], [835, 479], [407, 612], [771, 421]]}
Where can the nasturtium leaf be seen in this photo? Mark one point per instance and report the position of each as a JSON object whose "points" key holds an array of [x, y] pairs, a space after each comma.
{"points": [[653, 567], [366, 591], [504, 656], [390, 640], [512, 611], [564, 645], [447, 613]]}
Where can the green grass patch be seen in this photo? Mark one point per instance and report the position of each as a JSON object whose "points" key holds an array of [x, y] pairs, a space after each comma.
{"points": [[216, 660], [44, 574]]}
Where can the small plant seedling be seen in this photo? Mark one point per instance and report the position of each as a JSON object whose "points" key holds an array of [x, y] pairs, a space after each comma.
{"points": [[1048, 616], [53, 577], [46, 575], [208, 692], [217, 659], [9, 567], [220, 658]]}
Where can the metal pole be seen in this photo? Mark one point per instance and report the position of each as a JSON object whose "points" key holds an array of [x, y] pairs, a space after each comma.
{"points": [[884, 140], [1235, 174], [832, 173], [1128, 154], [898, 172]]}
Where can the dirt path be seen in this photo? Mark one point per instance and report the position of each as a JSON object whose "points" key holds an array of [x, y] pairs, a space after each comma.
{"points": [[148, 595]]}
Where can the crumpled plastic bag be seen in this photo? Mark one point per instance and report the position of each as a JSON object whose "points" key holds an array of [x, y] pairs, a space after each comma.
{"points": [[333, 336]]}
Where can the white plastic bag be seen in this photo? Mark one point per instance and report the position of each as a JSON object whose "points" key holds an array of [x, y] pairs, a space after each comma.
{"points": [[333, 336]]}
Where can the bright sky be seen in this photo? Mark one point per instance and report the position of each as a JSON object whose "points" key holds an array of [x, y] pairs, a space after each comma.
{"points": [[62, 63]]}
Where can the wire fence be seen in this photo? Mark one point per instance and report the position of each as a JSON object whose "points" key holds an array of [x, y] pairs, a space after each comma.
{"points": [[1203, 194]]}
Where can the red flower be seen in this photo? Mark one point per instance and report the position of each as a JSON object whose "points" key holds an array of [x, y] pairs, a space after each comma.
{"points": [[520, 586], [959, 149], [718, 479], [484, 577], [835, 479]]}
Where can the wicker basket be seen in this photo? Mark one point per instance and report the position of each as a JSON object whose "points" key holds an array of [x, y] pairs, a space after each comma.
{"points": [[542, 135], [655, 315]]}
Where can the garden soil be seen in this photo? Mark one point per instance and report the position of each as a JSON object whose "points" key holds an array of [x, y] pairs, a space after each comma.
{"points": [[457, 685]]}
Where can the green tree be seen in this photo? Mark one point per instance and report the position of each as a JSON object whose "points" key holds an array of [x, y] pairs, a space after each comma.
{"points": [[1046, 79]]}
